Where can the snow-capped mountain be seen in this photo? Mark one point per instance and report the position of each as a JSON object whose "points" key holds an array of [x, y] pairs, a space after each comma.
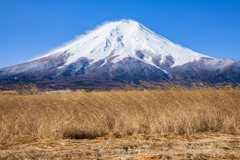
{"points": [[117, 52], [123, 39]]}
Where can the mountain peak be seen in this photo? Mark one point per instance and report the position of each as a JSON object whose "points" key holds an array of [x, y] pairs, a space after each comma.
{"points": [[124, 39], [124, 21]]}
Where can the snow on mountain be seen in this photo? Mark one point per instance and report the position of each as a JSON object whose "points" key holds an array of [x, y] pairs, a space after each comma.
{"points": [[219, 63], [122, 39]]}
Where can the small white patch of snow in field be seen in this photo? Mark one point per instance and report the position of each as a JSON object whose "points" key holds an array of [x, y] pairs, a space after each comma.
{"points": [[59, 91]]}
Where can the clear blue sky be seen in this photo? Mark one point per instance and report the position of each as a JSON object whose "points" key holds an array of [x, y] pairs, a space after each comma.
{"points": [[31, 28]]}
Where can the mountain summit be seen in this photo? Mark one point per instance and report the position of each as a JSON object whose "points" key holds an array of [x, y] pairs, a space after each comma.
{"points": [[127, 38], [119, 52]]}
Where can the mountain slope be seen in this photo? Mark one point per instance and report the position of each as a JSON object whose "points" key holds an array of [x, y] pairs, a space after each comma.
{"points": [[119, 52]]}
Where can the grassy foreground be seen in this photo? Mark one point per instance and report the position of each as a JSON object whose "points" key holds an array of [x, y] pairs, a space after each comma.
{"points": [[148, 123]]}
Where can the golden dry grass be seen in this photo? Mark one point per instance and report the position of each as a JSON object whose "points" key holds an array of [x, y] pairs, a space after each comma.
{"points": [[43, 117]]}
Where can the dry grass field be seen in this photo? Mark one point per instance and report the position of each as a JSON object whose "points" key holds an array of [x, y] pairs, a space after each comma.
{"points": [[174, 123]]}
